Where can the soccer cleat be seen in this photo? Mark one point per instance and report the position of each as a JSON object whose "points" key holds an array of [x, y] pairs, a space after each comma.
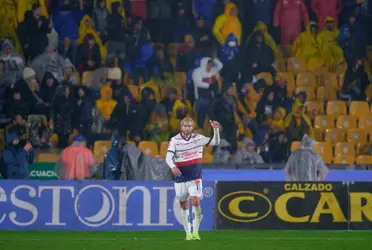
{"points": [[195, 236], [189, 237]]}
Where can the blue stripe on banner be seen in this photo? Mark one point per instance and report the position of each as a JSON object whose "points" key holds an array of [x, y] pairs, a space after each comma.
{"points": [[95, 205]]}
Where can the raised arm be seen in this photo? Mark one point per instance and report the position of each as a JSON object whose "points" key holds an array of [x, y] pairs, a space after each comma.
{"points": [[215, 140]]}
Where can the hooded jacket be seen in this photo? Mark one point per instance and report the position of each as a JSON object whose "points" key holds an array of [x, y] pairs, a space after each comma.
{"points": [[324, 9], [66, 23], [260, 26], [100, 18], [116, 25], [13, 64], [226, 24], [230, 49], [106, 106], [113, 159], [244, 157], [205, 83], [49, 63]]}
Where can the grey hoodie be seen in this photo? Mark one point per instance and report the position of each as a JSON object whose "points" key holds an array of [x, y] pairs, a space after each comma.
{"points": [[13, 65], [242, 156]]}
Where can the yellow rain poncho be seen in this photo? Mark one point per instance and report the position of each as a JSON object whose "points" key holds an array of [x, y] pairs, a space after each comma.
{"points": [[174, 122], [301, 119], [104, 104], [8, 10], [330, 50], [226, 24], [87, 27], [307, 47], [25, 5], [260, 26], [8, 31]]}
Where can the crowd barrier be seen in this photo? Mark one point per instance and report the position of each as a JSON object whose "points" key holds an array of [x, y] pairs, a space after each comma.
{"points": [[151, 205]]}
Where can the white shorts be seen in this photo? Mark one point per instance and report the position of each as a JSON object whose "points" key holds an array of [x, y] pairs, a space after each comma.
{"points": [[186, 189]]}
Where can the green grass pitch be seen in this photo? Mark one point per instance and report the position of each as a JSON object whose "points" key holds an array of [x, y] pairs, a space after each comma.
{"points": [[174, 240]]}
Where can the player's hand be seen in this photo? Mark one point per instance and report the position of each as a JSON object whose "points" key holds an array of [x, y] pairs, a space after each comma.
{"points": [[176, 172], [215, 124]]}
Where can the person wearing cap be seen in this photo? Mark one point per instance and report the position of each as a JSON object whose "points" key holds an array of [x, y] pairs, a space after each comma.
{"points": [[16, 158], [114, 158], [77, 162]]}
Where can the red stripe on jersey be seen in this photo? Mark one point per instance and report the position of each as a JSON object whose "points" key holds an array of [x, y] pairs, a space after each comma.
{"points": [[186, 149], [188, 163]]}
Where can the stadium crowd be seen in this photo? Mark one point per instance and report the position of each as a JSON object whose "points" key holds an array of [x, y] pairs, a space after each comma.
{"points": [[269, 71]]}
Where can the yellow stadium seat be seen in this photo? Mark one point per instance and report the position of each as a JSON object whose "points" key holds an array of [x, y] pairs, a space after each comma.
{"points": [[364, 159], [296, 65], [336, 108], [345, 148], [328, 80], [239, 144], [173, 60], [306, 79], [134, 91], [154, 87], [344, 159], [362, 149], [266, 76], [320, 71], [248, 133], [340, 69], [346, 122], [47, 157], [357, 135], [310, 92], [368, 92], [180, 78], [290, 82], [149, 148], [295, 145], [86, 75], [318, 106], [341, 80], [54, 140], [173, 49], [365, 122], [207, 158], [163, 148], [326, 94], [324, 149], [318, 134], [324, 122], [100, 149], [208, 149], [132, 143], [285, 50], [359, 109], [334, 135]]}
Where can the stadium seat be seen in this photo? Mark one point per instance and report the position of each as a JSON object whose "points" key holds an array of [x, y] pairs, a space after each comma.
{"points": [[318, 106], [208, 149], [365, 122], [267, 76], [180, 78], [86, 75], [310, 92], [336, 108], [359, 109], [324, 149], [344, 148], [173, 48], [340, 69], [134, 91], [364, 159], [132, 143], [207, 158], [341, 80], [285, 50], [368, 92], [296, 65], [306, 79], [290, 82], [154, 87], [239, 144], [100, 149], [346, 122], [318, 134], [149, 148], [324, 122], [295, 145], [344, 159], [248, 133], [163, 148], [362, 149], [54, 140], [47, 157], [328, 80], [334, 135], [357, 136], [326, 94], [320, 71]]}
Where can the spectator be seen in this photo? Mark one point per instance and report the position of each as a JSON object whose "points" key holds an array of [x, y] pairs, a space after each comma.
{"points": [[227, 23], [186, 55], [106, 104], [228, 56], [115, 81], [221, 153], [276, 124], [139, 8], [100, 15], [289, 15], [307, 47], [116, 35], [279, 87], [178, 113], [260, 26], [205, 86], [77, 162], [223, 110], [355, 82], [305, 164], [327, 39], [160, 20], [16, 105], [40, 134], [125, 117], [69, 73], [300, 100], [83, 115], [297, 124], [89, 57], [13, 63], [140, 36], [162, 68], [261, 10], [66, 24], [182, 23], [61, 117], [139, 65], [202, 34], [8, 27], [18, 127], [25, 6], [113, 159], [325, 9], [157, 127], [279, 147], [265, 107], [204, 8], [169, 100], [247, 154], [148, 102], [16, 158]]}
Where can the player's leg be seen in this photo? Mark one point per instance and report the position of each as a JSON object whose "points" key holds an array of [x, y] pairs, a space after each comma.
{"points": [[196, 192], [182, 196]]}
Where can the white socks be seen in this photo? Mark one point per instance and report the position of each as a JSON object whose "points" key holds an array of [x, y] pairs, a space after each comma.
{"points": [[185, 218], [196, 217]]}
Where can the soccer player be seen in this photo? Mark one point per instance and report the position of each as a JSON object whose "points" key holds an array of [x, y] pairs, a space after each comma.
{"points": [[184, 157]]}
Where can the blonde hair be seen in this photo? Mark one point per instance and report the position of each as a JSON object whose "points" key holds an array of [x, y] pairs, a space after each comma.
{"points": [[187, 119]]}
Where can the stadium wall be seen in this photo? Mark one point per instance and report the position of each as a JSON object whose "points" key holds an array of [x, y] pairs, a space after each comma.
{"points": [[151, 205]]}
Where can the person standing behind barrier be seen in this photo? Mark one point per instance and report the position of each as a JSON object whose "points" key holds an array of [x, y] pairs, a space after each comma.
{"points": [[113, 159], [305, 164]]}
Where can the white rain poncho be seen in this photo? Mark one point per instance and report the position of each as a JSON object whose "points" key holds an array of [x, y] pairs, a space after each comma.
{"points": [[305, 164]]}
